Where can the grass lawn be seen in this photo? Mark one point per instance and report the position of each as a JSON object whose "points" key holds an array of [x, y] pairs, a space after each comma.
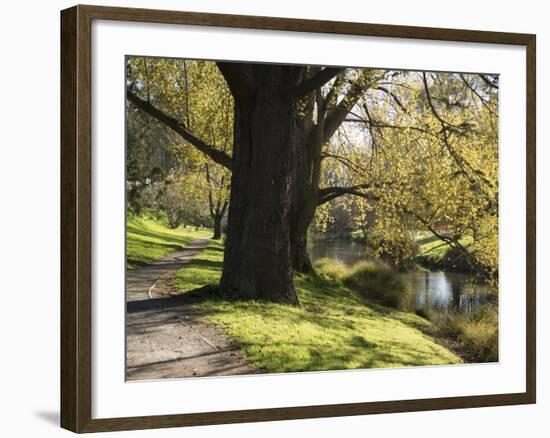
{"points": [[148, 239], [336, 328]]}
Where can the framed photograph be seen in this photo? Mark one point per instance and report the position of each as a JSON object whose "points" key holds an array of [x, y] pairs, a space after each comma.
{"points": [[269, 218]]}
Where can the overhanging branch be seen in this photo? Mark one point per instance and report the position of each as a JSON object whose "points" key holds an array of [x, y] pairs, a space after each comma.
{"points": [[492, 84], [450, 241], [337, 115], [327, 194], [216, 155]]}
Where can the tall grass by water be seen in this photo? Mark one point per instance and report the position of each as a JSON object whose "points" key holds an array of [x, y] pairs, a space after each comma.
{"points": [[373, 279], [473, 335]]}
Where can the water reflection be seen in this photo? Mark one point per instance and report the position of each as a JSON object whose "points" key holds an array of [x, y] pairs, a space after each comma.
{"points": [[437, 290], [343, 251], [447, 291]]}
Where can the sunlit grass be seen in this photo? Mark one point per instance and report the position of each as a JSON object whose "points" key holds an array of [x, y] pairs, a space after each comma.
{"points": [[149, 238], [205, 268], [335, 327], [434, 253]]}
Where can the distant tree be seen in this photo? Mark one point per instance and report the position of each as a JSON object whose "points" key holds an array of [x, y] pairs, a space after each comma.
{"points": [[150, 156], [217, 179]]}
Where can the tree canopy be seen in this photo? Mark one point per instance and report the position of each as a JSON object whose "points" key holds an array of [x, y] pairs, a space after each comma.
{"points": [[404, 152]]}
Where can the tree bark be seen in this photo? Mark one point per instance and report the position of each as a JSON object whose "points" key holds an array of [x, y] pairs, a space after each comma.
{"points": [[302, 213], [217, 228], [299, 254], [257, 262], [307, 166]]}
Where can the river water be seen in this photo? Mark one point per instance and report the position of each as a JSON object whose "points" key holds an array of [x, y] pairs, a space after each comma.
{"points": [[437, 290]]}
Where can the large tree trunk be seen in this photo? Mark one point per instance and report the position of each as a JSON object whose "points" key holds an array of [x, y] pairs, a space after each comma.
{"points": [[330, 114], [306, 165], [261, 94], [303, 206], [302, 214], [257, 262]]}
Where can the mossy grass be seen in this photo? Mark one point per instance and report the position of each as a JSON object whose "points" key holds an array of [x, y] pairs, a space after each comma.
{"points": [[335, 327], [149, 238]]}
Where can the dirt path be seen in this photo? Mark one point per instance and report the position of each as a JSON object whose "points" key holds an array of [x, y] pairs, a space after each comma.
{"points": [[163, 336]]}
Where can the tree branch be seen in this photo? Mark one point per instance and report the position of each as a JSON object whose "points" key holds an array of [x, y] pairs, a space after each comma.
{"points": [[484, 102], [313, 83], [431, 105], [444, 123], [337, 115], [218, 156], [327, 194], [450, 241], [345, 161], [489, 82], [461, 162], [394, 97]]}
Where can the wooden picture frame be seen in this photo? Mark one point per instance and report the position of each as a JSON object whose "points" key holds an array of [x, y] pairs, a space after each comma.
{"points": [[76, 218]]}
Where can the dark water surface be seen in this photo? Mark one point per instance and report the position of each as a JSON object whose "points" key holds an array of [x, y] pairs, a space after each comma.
{"points": [[437, 290], [343, 251]]}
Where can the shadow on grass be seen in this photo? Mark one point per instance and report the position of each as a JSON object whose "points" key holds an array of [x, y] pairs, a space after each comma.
{"points": [[216, 249], [195, 296], [340, 356], [159, 235], [204, 263]]}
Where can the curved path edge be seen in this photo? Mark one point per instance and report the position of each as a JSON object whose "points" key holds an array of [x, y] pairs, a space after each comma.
{"points": [[164, 337]]}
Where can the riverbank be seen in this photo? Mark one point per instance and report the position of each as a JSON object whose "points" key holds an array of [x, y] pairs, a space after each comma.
{"points": [[431, 252], [335, 327], [468, 325], [472, 336], [434, 254]]}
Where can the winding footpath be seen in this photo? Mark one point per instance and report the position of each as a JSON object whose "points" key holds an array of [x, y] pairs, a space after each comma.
{"points": [[164, 338]]}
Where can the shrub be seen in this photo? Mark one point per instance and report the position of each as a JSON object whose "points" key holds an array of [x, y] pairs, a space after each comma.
{"points": [[477, 333], [480, 334], [424, 312], [377, 281], [331, 269]]}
